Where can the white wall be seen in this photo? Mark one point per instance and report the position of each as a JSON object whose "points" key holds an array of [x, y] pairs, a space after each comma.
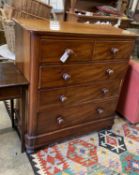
{"points": [[57, 4]]}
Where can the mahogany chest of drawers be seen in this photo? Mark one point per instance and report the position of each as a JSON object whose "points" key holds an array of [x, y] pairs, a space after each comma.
{"points": [[80, 95]]}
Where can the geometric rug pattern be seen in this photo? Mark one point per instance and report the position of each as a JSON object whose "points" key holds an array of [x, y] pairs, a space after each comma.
{"points": [[107, 152]]}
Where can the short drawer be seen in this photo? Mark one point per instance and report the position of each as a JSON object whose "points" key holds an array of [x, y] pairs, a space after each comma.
{"points": [[77, 94], [75, 50], [112, 50], [57, 118], [56, 76]]}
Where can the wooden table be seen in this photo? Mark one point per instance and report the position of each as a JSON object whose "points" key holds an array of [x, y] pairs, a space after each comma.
{"points": [[13, 85]]}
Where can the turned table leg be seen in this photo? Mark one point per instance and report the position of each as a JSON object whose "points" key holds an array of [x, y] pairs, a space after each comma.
{"points": [[12, 112], [23, 98]]}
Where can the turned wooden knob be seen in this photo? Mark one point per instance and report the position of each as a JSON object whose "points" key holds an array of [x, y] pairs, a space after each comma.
{"points": [[66, 76], [60, 120], [109, 72], [114, 51], [63, 98], [69, 52], [105, 91], [100, 110]]}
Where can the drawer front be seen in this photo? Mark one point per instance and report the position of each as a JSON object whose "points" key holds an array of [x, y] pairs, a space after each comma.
{"points": [[56, 76], [75, 50], [54, 119], [112, 50], [12, 92], [77, 94]]}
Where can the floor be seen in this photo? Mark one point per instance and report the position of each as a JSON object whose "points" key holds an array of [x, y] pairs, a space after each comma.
{"points": [[106, 152], [12, 161]]}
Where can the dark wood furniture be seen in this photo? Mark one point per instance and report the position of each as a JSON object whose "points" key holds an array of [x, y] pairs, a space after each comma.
{"points": [[12, 86], [89, 5], [80, 95]]}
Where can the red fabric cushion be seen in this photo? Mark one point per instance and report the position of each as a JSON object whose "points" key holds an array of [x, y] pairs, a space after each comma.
{"points": [[109, 10]]}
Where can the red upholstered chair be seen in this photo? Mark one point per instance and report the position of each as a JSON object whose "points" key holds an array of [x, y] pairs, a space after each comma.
{"points": [[128, 104]]}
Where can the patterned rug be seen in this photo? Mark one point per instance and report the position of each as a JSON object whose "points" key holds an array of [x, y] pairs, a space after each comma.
{"points": [[108, 152]]}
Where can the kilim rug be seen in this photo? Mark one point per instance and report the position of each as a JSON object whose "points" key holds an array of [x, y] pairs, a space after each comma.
{"points": [[107, 152]]}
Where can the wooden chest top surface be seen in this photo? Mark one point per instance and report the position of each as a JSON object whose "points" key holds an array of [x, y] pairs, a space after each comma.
{"points": [[35, 25]]}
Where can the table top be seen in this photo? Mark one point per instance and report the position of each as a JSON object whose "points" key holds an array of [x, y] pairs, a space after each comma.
{"points": [[11, 76]]}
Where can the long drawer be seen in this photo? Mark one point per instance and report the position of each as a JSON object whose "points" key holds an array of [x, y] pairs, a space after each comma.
{"points": [[56, 76], [75, 50], [57, 136], [77, 94], [57, 118], [112, 50]]}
